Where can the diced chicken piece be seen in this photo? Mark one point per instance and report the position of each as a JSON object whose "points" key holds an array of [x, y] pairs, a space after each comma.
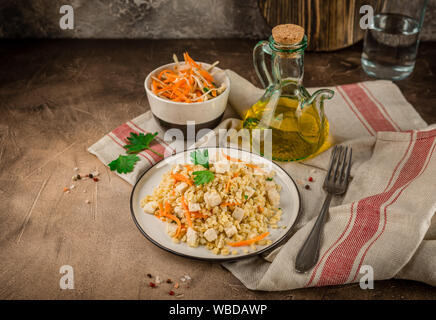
{"points": [[193, 207], [238, 214], [221, 167], [249, 191], [212, 198], [230, 231], [210, 234], [178, 168], [271, 174], [220, 244], [270, 185], [150, 207], [273, 197], [171, 229], [239, 194], [258, 172], [192, 237], [179, 211], [181, 187]]}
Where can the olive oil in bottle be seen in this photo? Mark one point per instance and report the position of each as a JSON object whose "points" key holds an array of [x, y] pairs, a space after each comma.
{"points": [[296, 134], [296, 120]]}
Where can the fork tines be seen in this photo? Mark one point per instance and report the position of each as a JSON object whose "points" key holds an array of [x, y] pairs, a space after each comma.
{"points": [[340, 164]]}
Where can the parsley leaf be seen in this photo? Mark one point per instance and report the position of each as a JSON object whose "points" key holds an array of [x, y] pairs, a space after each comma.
{"points": [[124, 164], [269, 179], [202, 177], [141, 142], [197, 157]]}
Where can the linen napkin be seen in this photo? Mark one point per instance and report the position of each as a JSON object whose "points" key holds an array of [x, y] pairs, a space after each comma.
{"points": [[385, 219]]}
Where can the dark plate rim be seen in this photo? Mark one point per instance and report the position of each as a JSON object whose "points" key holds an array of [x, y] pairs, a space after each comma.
{"points": [[263, 250]]}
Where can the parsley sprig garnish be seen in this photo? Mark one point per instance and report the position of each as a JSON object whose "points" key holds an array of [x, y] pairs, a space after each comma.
{"points": [[202, 177], [137, 143], [124, 164], [201, 158]]}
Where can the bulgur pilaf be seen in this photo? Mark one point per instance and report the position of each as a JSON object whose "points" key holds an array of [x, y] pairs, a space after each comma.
{"points": [[234, 209]]}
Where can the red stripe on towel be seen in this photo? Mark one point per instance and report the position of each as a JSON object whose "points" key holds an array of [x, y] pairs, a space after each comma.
{"points": [[124, 130], [385, 215], [114, 140], [371, 95], [157, 138], [352, 109], [367, 108], [331, 247], [340, 262]]}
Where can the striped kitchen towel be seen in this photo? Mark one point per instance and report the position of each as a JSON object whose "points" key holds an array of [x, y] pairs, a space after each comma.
{"points": [[384, 222]]}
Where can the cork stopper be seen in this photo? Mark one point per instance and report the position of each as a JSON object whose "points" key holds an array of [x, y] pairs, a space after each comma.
{"points": [[288, 33]]}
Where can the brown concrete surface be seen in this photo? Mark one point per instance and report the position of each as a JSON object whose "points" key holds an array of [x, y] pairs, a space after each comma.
{"points": [[58, 98]]}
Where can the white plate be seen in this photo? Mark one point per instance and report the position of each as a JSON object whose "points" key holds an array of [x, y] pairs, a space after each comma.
{"points": [[154, 229]]}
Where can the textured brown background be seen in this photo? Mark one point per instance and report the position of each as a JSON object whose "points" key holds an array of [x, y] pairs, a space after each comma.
{"points": [[152, 19], [57, 98]]}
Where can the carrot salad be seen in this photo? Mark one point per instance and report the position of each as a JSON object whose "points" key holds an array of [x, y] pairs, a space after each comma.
{"points": [[188, 82]]}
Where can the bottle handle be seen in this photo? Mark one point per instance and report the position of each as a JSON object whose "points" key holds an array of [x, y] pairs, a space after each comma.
{"points": [[260, 65]]}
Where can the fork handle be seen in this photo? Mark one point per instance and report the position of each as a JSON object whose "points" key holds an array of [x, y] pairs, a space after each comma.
{"points": [[308, 255]]}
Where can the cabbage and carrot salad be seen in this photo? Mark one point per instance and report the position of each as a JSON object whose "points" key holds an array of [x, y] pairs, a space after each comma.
{"points": [[187, 82]]}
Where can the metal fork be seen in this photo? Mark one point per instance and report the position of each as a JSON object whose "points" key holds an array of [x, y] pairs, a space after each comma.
{"points": [[335, 183]]}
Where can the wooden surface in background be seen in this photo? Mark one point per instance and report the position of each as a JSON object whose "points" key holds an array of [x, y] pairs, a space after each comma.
{"points": [[329, 24], [58, 98]]}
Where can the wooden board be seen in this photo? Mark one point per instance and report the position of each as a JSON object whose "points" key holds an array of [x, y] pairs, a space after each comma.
{"points": [[329, 24]]}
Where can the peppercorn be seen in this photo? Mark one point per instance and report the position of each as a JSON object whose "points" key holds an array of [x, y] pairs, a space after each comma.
{"points": [[149, 275], [95, 179], [152, 285], [90, 175], [171, 293], [169, 281], [307, 187], [310, 179]]}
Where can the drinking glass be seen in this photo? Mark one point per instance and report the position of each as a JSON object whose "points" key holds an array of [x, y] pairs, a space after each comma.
{"points": [[391, 42]]}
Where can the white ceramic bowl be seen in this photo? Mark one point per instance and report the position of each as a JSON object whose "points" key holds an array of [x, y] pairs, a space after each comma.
{"points": [[207, 114]]}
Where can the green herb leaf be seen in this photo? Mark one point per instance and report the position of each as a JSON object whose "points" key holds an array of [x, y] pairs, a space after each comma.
{"points": [[206, 89], [245, 196], [269, 179], [139, 142], [124, 164], [201, 158], [202, 177]]}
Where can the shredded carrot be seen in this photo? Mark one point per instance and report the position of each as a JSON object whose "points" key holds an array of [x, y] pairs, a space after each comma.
{"points": [[260, 209], [198, 215], [255, 167], [166, 213], [187, 213], [181, 177], [250, 165], [228, 185], [229, 204], [248, 241], [230, 158], [188, 167], [186, 83], [161, 209]]}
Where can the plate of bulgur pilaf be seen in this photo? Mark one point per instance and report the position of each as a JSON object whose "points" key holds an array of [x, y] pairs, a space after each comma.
{"points": [[215, 204]]}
